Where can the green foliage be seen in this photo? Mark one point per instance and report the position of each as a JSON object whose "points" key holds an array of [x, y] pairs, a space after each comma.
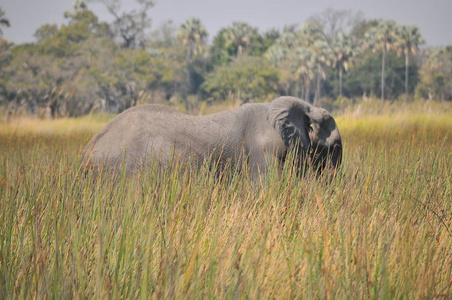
{"points": [[65, 41], [194, 36], [241, 35], [239, 39], [436, 75], [296, 61], [359, 30], [364, 78], [5, 59], [87, 65], [261, 44], [247, 78], [220, 53], [382, 228], [166, 48], [30, 78], [77, 68]]}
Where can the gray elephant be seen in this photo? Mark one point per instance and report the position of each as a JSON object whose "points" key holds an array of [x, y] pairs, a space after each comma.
{"points": [[260, 134]]}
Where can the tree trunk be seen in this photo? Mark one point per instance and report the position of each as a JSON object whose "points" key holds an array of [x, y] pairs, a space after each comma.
{"points": [[296, 89], [317, 90], [407, 66], [302, 90], [306, 94], [383, 65], [187, 92], [239, 50]]}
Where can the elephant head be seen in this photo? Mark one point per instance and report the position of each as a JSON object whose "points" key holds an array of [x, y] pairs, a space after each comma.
{"points": [[309, 131]]}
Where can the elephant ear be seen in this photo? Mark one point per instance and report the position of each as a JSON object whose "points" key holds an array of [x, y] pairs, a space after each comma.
{"points": [[288, 116]]}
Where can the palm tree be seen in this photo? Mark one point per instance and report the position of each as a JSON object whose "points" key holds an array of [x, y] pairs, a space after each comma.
{"points": [[241, 35], [343, 49], [3, 21], [304, 65], [311, 36], [383, 36], [194, 36], [277, 54], [280, 54], [310, 33], [323, 59], [288, 39], [410, 38]]}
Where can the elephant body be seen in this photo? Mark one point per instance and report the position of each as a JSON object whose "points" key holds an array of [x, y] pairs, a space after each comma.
{"points": [[260, 134]]}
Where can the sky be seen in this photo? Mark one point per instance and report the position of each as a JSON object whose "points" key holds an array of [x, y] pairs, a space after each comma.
{"points": [[431, 16]]}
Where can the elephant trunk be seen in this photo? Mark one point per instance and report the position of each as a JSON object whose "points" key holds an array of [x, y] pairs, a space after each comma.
{"points": [[326, 157], [336, 155]]}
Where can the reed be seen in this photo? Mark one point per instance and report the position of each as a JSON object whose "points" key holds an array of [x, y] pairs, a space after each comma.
{"points": [[382, 228]]}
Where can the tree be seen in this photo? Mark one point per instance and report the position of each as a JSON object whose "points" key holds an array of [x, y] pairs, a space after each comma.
{"points": [[33, 79], [278, 57], [364, 78], [76, 68], [55, 69], [268, 39], [313, 37], [221, 52], [166, 47], [301, 56], [383, 37], [436, 75], [3, 21], [304, 63], [322, 58], [331, 22], [130, 26], [334, 28], [240, 35], [245, 78], [343, 48], [281, 55], [164, 36], [359, 30], [410, 39], [4, 55], [193, 35], [64, 41], [80, 5]]}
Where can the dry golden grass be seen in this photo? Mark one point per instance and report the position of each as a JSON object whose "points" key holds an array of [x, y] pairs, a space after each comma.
{"points": [[381, 229]]}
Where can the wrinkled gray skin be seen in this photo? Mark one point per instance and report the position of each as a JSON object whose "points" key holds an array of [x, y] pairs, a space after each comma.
{"points": [[262, 134]]}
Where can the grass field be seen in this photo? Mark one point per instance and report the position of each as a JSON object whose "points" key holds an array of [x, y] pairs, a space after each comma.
{"points": [[381, 229]]}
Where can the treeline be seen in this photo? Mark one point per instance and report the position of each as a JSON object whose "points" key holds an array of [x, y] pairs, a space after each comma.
{"points": [[87, 65]]}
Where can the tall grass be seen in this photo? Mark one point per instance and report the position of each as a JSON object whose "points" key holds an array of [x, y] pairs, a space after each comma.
{"points": [[382, 228]]}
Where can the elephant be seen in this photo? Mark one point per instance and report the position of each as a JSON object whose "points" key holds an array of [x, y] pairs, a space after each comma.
{"points": [[256, 133]]}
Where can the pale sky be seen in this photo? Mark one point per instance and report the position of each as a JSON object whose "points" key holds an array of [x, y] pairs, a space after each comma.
{"points": [[433, 17]]}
